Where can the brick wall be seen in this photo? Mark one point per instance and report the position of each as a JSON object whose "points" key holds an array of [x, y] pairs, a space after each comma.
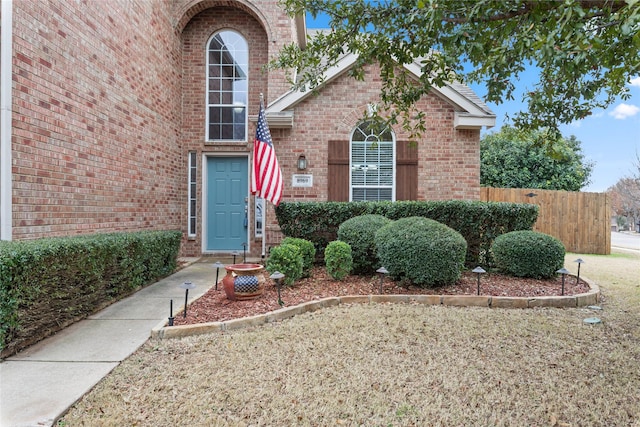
{"points": [[109, 98], [95, 118], [448, 159]]}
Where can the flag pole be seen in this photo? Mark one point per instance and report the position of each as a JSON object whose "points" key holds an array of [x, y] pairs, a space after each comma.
{"points": [[264, 228], [266, 180], [264, 207]]}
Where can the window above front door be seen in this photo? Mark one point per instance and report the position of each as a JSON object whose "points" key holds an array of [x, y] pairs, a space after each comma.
{"points": [[227, 84]]}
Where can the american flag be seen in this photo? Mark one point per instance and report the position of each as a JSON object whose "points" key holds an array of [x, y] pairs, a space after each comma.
{"points": [[266, 177]]}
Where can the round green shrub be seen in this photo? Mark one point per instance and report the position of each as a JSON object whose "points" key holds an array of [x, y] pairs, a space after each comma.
{"points": [[424, 251], [287, 259], [528, 253], [359, 232], [307, 250], [338, 259]]}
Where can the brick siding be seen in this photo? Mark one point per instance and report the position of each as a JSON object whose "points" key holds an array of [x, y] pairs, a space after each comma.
{"points": [[95, 118], [109, 97]]}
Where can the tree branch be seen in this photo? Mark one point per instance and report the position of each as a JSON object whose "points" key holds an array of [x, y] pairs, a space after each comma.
{"points": [[613, 5]]}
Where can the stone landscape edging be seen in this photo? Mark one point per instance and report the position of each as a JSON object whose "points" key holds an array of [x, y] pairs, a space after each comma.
{"points": [[591, 297]]}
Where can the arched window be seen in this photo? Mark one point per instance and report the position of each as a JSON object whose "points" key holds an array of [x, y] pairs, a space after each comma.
{"points": [[227, 84], [372, 163]]}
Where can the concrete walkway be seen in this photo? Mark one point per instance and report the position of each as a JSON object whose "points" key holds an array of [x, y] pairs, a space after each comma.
{"points": [[39, 384]]}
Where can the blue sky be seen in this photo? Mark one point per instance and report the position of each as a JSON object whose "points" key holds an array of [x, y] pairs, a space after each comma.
{"points": [[610, 138]]}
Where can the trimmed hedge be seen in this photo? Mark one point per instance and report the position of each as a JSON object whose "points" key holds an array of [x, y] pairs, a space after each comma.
{"points": [[478, 222], [359, 232], [528, 254], [47, 284], [426, 252]]}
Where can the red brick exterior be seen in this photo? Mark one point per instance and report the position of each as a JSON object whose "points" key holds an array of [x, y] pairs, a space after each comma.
{"points": [[96, 115], [109, 98]]}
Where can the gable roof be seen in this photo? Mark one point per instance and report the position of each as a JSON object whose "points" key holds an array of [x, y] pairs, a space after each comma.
{"points": [[470, 111]]}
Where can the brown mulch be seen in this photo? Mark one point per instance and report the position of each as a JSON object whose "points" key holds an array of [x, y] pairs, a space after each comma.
{"points": [[214, 306]]}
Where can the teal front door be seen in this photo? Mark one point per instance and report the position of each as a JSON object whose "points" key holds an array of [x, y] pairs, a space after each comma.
{"points": [[227, 195]]}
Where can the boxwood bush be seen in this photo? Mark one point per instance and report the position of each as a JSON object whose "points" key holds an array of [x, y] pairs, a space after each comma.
{"points": [[338, 259], [422, 250], [47, 284], [287, 259], [359, 232], [307, 251], [528, 253]]}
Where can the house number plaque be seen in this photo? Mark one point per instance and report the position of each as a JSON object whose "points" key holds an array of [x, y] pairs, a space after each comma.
{"points": [[302, 181]]}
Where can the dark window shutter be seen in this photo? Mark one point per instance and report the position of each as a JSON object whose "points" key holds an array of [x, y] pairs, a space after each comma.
{"points": [[406, 170], [338, 170]]}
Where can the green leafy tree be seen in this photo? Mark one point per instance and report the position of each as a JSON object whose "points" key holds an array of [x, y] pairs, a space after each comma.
{"points": [[586, 51], [512, 158]]}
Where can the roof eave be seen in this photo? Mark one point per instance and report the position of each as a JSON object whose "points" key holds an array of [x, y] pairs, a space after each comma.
{"points": [[463, 120], [276, 119], [470, 114]]}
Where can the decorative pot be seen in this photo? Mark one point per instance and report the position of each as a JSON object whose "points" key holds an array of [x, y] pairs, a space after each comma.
{"points": [[243, 281]]}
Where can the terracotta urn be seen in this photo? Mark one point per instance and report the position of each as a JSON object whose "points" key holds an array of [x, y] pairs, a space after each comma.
{"points": [[243, 281]]}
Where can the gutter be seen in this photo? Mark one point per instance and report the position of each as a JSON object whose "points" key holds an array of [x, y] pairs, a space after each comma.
{"points": [[6, 66]]}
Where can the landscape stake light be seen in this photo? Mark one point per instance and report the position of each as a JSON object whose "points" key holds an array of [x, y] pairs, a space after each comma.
{"points": [[235, 254], [277, 276], [186, 286], [592, 321], [579, 261], [382, 272], [244, 252], [478, 270], [564, 272], [217, 265], [171, 313]]}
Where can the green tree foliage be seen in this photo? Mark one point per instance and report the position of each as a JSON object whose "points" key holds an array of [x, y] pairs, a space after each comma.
{"points": [[585, 51], [516, 159]]}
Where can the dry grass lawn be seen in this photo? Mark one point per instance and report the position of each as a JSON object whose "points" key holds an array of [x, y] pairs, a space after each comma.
{"points": [[395, 365]]}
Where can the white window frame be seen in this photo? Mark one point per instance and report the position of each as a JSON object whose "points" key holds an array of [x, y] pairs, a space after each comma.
{"points": [[237, 103], [372, 141], [192, 202]]}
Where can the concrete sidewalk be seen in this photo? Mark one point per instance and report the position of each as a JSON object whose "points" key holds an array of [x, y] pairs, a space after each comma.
{"points": [[40, 383]]}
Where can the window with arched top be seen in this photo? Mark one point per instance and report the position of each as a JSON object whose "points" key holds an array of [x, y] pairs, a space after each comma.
{"points": [[227, 86], [372, 163]]}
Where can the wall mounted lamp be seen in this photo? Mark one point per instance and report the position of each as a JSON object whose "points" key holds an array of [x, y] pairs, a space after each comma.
{"points": [[302, 162]]}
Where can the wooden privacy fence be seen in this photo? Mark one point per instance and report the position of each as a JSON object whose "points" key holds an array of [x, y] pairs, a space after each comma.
{"points": [[581, 221]]}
